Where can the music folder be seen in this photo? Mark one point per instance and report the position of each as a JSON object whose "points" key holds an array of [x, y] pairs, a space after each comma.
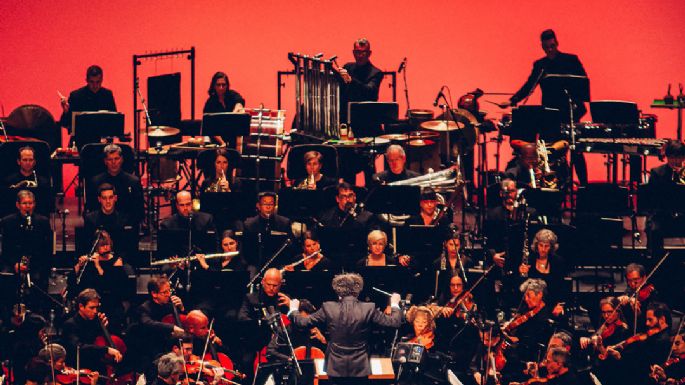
{"points": [[104, 123], [225, 124]]}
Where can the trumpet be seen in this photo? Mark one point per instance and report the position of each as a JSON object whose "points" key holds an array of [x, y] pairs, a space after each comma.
{"points": [[27, 183], [310, 180], [193, 258]]}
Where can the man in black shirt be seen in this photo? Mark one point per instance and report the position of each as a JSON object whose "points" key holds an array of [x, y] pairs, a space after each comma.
{"points": [[361, 79], [347, 212], [81, 330], [108, 218], [26, 161], [265, 232], [555, 63], [128, 187], [201, 226], [397, 160], [91, 97]]}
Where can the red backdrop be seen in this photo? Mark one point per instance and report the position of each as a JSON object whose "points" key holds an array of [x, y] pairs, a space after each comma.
{"points": [[630, 49]]}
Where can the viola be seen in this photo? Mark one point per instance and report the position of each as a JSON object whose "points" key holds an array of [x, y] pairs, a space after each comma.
{"points": [[69, 375], [641, 337], [427, 340]]}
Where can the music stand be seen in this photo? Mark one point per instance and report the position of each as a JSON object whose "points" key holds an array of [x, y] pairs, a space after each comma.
{"points": [[227, 125], [395, 200], [544, 201], [227, 207], [529, 121], [91, 126], [301, 204], [174, 242], [343, 245], [662, 199], [313, 285], [366, 118]]}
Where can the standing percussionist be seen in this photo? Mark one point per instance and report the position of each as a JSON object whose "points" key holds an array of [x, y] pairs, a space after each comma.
{"points": [[555, 63], [361, 79], [348, 322], [223, 99], [91, 97]]}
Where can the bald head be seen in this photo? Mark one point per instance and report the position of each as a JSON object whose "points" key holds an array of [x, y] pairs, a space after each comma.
{"points": [[184, 203], [197, 323], [529, 155], [271, 283]]}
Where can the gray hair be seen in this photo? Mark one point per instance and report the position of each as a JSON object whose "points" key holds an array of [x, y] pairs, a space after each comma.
{"points": [[52, 352], [348, 284], [505, 183], [169, 364], [565, 338], [376, 235], [535, 285], [546, 236], [397, 148], [111, 148], [635, 267]]}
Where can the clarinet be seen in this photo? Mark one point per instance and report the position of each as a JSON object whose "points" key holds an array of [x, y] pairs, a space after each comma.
{"points": [[526, 247]]}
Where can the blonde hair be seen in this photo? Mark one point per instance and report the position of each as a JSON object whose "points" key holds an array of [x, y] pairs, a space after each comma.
{"points": [[376, 235]]}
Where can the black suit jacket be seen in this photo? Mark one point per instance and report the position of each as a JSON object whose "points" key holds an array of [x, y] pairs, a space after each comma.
{"points": [[348, 323], [34, 241], [129, 193], [661, 176]]}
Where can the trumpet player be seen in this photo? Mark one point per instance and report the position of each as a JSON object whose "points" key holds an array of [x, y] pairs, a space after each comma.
{"points": [[315, 180], [26, 176], [221, 177]]}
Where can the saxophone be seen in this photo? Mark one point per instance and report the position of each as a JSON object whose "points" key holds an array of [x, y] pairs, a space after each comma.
{"points": [[216, 185]]}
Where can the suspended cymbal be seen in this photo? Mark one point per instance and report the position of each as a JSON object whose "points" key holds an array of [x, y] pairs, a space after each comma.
{"points": [[395, 137], [421, 143], [162, 131], [422, 135], [440, 126]]}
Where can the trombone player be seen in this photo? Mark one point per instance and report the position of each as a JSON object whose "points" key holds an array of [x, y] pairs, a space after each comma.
{"points": [[26, 176]]}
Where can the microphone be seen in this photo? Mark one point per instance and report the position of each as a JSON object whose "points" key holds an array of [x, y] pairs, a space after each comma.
{"points": [[437, 98], [28, 220], [402, 65]]}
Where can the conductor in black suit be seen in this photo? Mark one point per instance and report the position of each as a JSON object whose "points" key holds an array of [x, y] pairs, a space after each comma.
{"points": [[348, 324]]}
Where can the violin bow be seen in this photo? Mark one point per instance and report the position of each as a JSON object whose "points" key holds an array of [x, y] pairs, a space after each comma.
{"points": [[204, 351], [651, 273]]}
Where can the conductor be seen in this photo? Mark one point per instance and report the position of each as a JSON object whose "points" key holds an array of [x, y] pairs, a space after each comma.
{"points": [[348, 323]]}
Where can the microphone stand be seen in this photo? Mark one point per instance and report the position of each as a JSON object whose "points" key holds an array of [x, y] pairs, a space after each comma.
{"points": [[278, 328], [285, 244], [406, 87], [260, 117], [190, 251], [90, 255], [4, 131]]}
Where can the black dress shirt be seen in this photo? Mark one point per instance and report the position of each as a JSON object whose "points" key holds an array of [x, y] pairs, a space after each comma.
{"points": [[129, 193]]}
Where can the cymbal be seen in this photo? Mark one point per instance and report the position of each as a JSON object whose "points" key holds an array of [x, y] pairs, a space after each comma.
{"points": [[395, 137], [423, 135], [439, 125], [421, 143], [162, 131]]}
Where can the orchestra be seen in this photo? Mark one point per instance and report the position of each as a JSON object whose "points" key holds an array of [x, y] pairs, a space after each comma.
{"points": [[195, 279]]}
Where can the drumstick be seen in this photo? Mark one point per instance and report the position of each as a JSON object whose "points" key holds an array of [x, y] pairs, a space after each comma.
{"points": [[61, 96]]}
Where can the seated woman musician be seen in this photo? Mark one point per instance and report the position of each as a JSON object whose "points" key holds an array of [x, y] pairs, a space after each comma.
{"points": [[423, 322], [223, 99], [433, 211], [229, 243], [545, 264], [309, 260], [377, 241], [220, 178], [315, 180], [452, 260]]}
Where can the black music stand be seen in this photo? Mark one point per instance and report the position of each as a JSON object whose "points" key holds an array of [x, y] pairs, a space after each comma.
{"points": [[395, 200], [623, 117], [227, 125], [227, 207], [661, 199], [301, 205], [90, 127], [421, 242], [529, 121], [343, 245], [313, 285], [396, 279], [545, 201], [366, 118], [174, 242]]}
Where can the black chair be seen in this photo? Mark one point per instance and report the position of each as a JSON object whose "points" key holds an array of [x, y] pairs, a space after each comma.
{"points": [[296, 167], [92, 163], [9, 152]]}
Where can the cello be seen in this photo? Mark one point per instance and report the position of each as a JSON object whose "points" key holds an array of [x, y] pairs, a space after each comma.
{"points": [[115, 342]]}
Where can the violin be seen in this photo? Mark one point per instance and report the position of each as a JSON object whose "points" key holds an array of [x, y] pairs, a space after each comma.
{"points": [[641, 337], [522, 318], [645, 291], [85, 376], [427, 340], [211, 370]]}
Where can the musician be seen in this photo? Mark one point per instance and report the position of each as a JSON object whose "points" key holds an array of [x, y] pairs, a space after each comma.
{"points": [[524, 169], [559, 63], [92, 97], [633, 309], [220, 178], [27, 234], [109, 218], [347, 213], [223, 99], [128, 187], [197, 326], [149, 334], [530, 327], [558, 371], [377, 241], [199, 224], [546, 264], [662, 179], [169, 370], [308, 338], [612, 331], [347, 360], [430, 214], [26, 176], [105, 272], [673, 370], [452, 261], [361, 80], [260, 230], [645, 349], [315, 180], [229, 243], [83, 328], [51, 356], [22, 339], [397, 160], [310, 245]]}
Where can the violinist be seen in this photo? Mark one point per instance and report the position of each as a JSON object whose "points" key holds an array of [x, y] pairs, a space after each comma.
{"points": [[558, 371], [489, 358], [149, 334], [83, 328], [317, 262], [459, 303], [546, 264], [423, 323], [530, 327], [169, 370], [639, 352], [197, 326], [53, 357], [673, 370], [638, 294]]}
